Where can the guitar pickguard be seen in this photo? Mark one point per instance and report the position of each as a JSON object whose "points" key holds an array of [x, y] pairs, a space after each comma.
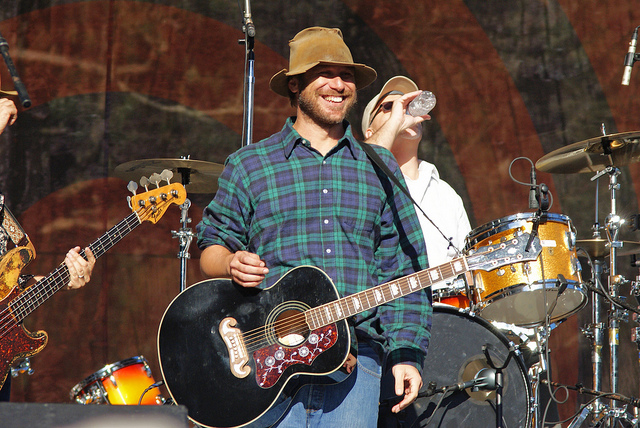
{"points": [[272, 361]]}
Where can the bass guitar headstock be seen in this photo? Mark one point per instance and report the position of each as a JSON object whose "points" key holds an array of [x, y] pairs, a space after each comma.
{"points": [[152, 204]]}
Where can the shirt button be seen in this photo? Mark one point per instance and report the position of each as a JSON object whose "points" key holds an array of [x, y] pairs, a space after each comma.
{"points": [[325, 191], [328, 250], [324, 162], [326, 221]]}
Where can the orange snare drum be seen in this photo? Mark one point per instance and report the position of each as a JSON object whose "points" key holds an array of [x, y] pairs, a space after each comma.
{"points": [[123, 382], [516, 293]]}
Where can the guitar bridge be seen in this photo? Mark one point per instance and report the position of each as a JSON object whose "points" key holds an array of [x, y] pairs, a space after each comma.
{"points": [[238, 357]]}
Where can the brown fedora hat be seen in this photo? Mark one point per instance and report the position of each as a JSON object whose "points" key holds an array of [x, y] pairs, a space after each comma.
{"points": [[314, 46]]}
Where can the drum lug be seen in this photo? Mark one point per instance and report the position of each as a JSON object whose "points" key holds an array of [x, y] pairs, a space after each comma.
{"points": [[112, 378], [147, 370], [576, 266]]}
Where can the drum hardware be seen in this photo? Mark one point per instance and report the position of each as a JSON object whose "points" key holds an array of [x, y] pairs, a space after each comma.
{"points": [[498, 379], [185, 235], [23, 366], [617, 414], [602, 155]]}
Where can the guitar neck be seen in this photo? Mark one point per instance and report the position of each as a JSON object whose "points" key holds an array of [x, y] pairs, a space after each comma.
{"points": [[359, 302], [34, 296]]}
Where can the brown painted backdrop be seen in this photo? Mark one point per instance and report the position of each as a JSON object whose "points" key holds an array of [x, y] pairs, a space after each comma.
{"points": [[114, 80]]}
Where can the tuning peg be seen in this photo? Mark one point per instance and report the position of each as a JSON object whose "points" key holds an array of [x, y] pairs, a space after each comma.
{"points": [[167, 175], [144, 182], [155, 179], [132, 187]]}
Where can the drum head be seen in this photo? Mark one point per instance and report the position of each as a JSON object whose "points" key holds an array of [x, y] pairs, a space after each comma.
{"points": [[455, 355]]}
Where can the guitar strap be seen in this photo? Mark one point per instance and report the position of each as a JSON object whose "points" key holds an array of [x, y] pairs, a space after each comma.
{"points": [[11, 225], [380, 163]]}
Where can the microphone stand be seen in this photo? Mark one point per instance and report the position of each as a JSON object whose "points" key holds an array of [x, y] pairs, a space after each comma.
{"points": [[17, 83], [249, 29], [499, 376]]}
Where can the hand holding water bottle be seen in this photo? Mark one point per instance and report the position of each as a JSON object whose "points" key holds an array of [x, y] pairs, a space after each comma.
{"points": [[422, 104]]}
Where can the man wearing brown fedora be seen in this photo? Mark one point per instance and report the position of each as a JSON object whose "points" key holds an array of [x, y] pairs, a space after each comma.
{"points": [[309, 195]]}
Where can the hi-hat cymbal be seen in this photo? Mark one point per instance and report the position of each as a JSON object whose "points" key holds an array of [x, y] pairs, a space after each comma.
{"points": [[598, 247], [197, 176], [593, 155]]}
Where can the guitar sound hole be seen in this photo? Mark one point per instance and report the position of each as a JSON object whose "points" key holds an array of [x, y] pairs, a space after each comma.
{"points": [[291, 328]]}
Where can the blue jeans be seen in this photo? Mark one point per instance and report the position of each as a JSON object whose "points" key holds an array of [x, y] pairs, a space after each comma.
{"points": [[351, 403]]}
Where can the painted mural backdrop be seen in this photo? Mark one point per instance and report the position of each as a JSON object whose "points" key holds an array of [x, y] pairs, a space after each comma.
{"points": [[114, 81]]}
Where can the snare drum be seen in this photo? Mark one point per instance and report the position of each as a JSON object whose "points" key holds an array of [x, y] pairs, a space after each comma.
{"points": [[123, 382], [517, 293]]}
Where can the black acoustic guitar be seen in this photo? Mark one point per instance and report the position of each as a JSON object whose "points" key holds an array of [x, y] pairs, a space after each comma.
{"points": [[227, 352]]}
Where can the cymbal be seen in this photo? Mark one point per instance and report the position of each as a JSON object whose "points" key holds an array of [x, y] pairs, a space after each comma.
{"points": [[598, 247], [593, 155], [197, 176]]}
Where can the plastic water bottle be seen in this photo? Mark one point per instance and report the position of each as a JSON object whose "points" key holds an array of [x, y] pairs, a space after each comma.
{"points": [[422, 104]]}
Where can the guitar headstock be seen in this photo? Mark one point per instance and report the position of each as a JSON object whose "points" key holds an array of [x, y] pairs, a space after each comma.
{"points": [[152, 204], [522, 248]]}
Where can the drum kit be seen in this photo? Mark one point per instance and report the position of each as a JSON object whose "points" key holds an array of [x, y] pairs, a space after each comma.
{"points": [[506, 314]]}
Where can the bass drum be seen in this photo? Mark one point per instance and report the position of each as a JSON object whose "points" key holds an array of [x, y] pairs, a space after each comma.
{"points": [[456, 355]]}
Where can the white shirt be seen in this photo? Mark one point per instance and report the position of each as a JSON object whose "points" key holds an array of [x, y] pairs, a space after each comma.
{"points": [[444, 207]]}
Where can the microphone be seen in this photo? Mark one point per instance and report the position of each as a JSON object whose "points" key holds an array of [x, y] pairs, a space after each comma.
{"points": [[533, 201], [485, 379], [17, 82], [629, 59], [248, 22]]}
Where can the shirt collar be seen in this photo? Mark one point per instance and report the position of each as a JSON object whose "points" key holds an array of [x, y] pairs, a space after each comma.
{"points": [[429, 169], [291, 138]]}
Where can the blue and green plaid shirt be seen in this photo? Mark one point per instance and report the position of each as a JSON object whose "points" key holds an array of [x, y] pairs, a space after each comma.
{"points": [[284, 201]]}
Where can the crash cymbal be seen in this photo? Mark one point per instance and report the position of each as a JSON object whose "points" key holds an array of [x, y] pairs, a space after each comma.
{"points": [[197, 176], [593, 155], [598, 247]]}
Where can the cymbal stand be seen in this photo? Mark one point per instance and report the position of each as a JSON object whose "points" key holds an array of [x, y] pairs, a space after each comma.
{"points": [[613, 224], [596, 330], [612, 228], [184, 235]]}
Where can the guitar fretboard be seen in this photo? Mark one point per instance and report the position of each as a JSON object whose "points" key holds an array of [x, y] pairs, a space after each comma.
{"points": [[359, 302], [34, 296]]}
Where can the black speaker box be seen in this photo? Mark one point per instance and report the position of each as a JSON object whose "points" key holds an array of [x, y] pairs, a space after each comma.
{"points": [[57, 415]]}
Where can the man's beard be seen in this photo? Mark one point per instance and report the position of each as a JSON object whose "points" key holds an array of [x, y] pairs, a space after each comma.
{"points": [[308, 104]]}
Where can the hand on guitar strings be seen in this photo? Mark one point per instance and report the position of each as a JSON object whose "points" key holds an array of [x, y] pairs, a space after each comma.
{"points": [[79, 269]]}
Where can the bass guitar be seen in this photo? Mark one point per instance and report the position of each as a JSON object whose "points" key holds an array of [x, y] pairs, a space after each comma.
{"points": [[227, 352], [15, 341]]}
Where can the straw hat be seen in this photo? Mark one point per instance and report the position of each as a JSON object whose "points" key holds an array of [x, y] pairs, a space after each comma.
{"points": [[314, 46]]}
